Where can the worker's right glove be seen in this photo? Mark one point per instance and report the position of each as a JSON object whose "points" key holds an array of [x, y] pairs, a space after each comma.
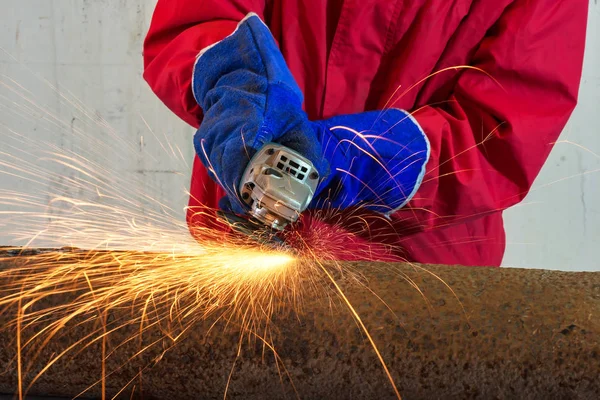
{"points": [[377, 160], [249, 98]]}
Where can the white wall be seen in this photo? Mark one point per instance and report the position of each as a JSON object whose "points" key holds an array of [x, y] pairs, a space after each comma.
{"points": [[91, 49]]}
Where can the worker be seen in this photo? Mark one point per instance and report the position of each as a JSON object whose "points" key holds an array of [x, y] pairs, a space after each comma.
{"points": [[424, 119]]}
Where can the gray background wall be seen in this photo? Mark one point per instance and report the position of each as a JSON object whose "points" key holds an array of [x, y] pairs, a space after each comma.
{"points": [[91, 50]]}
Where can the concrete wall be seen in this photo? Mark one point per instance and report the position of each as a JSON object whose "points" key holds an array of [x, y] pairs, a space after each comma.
{"points": [[90, 49]]}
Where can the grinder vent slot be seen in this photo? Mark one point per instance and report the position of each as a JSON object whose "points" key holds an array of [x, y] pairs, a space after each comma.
{"points": [[292, 167]]}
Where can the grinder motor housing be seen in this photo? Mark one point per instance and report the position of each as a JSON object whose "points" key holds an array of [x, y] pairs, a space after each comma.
{"points": [[278, 185]]}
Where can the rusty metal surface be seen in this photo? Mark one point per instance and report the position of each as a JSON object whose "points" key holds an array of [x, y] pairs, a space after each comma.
{"points": [[526, 334]]}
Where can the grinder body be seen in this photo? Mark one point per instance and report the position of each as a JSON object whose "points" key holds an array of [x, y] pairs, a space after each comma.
{"points": [[278, 185]]}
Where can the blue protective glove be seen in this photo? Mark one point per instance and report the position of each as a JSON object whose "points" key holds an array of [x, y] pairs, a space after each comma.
{"points": [[249, 98], [377, 158]]}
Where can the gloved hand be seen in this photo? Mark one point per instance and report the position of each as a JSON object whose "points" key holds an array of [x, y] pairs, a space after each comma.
{"points": [[377, 158], [249, 98]]}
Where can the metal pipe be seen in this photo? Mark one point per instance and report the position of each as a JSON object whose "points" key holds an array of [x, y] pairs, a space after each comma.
{"points": [[506, 333]]}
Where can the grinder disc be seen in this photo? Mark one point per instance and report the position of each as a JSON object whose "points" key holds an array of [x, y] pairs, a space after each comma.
{"points": [[254, 230]]}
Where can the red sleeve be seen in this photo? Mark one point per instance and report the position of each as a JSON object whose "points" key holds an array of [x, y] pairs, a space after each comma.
{"points": [[179, 30], [489, 142]]}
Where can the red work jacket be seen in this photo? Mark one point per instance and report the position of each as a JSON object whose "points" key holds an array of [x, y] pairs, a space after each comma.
{"points": [[491, 127]]}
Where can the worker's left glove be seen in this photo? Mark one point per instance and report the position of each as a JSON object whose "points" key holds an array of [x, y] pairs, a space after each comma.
{"points": [[377, 159], [249, 98]]}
